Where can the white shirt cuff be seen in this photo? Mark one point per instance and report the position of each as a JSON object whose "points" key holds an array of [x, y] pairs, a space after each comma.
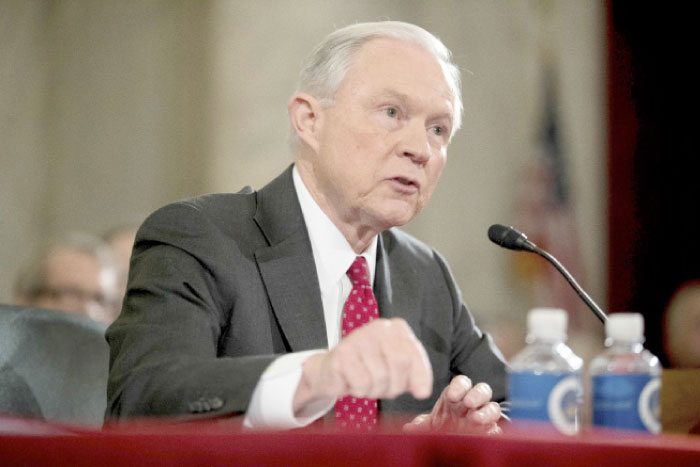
{"points": [[271, 403]]}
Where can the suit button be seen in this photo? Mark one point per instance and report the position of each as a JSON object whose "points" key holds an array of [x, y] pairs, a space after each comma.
{"points": [[216, 403], [195, 406]]}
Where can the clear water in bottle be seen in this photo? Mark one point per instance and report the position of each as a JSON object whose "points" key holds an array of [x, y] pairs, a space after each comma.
{"points": [[544, 379], [626, 378]]}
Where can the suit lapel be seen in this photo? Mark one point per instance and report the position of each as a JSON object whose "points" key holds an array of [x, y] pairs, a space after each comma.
{"points": [[392, 287], [287, 265]]}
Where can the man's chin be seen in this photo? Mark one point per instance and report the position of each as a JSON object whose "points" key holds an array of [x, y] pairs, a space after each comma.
{"points": [[397, 217]]}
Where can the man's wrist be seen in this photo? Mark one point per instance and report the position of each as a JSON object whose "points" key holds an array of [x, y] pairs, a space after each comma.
{"points": [[272, 399], [308, 389]]}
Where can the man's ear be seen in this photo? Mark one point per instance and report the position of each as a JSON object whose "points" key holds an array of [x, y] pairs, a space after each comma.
{"points": [[306, 117]]}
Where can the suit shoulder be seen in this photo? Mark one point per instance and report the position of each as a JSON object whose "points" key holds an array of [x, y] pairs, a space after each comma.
{"points": [[209, 208], [205, 225]]}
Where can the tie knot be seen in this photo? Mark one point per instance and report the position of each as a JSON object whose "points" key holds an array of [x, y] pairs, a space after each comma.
{"points": [[358, 272]]}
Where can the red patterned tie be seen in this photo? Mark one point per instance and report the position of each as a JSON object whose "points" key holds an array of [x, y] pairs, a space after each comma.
{"points": [[360, 308]]}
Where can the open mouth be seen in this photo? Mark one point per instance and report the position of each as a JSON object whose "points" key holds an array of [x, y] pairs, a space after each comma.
{"points": [[405, 185], [406, 181]]}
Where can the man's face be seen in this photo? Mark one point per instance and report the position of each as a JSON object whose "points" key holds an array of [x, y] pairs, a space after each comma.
{"points": [[383, 140], [76, 283]]}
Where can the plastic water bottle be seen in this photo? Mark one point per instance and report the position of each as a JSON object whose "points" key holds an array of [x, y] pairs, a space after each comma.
{"points": [[544, 379], [626, 378]]}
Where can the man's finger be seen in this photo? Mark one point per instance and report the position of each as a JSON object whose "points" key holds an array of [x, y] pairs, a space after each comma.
{"points": [[486, 415], [419, 424], [407, 365], [349, 370], [413, 357], [478, 396], [378, 370], [458, 388]]}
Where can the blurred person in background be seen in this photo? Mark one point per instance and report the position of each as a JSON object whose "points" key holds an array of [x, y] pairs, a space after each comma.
{"points": [[682, 326], [75, 274]]}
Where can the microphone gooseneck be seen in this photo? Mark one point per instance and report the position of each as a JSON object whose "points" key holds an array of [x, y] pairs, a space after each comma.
{"points": [[508, 237]]}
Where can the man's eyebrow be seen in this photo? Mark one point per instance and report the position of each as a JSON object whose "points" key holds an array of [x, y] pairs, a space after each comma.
{"points": [[391, 94]]}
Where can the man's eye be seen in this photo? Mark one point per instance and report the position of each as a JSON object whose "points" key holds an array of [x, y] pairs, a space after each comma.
{"points": [[391, 112], [438, 130]]}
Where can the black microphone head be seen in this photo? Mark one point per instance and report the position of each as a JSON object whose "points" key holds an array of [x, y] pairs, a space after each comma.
{"points": [[508, 237]]}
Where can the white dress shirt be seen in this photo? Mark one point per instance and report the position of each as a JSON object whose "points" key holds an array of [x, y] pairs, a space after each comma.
{"points": [[271, 403]]}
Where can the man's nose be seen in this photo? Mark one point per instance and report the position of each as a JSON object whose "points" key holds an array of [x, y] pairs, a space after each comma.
{"points": [[414, 143]]}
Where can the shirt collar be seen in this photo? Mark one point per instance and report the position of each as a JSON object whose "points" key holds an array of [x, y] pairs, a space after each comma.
{"points": [[333, 254]]}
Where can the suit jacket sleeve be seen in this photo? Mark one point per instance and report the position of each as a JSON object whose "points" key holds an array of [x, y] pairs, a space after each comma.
{"points": [[171, 347]]}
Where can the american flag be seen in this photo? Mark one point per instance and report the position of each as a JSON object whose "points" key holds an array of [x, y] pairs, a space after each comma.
{"points": [[544, 210]]}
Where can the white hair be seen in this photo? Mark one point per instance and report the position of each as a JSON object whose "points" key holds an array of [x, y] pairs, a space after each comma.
{"points": [[325, 68]]}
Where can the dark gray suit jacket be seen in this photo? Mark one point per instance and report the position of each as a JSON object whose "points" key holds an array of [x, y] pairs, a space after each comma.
{"points": [[220, 285]]}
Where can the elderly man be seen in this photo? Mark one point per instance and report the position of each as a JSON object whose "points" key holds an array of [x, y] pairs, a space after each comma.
{"points": [[283, 303]]}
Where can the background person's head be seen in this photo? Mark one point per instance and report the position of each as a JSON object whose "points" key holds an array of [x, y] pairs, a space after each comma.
{"points": [[682, 326], [76, 274]]}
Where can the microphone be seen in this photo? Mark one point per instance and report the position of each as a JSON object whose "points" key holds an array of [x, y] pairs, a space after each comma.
{"points": [[508, 237]]}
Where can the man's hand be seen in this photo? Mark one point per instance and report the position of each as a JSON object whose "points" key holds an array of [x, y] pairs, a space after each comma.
{"points": [[382, 359], [461, 408]]}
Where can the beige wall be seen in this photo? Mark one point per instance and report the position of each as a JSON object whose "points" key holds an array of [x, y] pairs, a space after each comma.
{"points": [[111, 109]]}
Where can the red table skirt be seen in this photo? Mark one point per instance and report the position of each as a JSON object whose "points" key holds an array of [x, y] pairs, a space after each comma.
{"points": [[24, 442]]}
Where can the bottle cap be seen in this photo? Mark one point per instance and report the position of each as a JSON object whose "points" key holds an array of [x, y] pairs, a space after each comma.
{"points": [[627, 327], [547, 323]]}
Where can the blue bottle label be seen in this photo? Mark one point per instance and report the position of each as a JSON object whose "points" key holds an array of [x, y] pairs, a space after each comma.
{"points": [[628, 401], [547, 397]]}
